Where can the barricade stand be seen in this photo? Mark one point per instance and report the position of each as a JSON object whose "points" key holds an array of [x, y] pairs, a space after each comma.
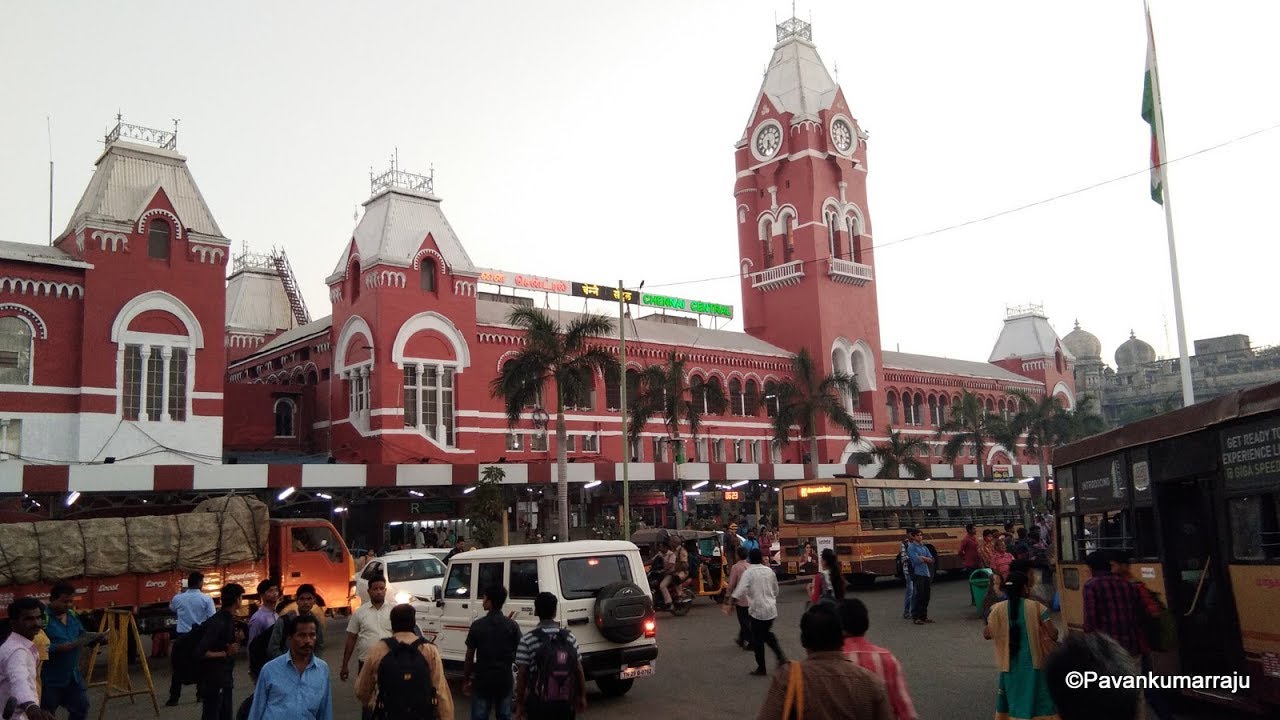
{"points": [[120, 626]]}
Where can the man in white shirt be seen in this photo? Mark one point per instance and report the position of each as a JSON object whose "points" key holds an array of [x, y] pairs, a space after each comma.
{"points": [[760, 587], [18, 657], [368, 626]]}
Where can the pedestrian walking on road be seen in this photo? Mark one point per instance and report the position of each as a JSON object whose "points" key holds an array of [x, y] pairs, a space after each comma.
{"points": [[760, 587], [295, 686], [825, 685], [305, 600], [855, 622], [740, 605], [63, 685], [369, 624], [217, 651], [261, 623], [18, 659], [903, 570], [192, 607], [922, 563], [491, 654], [970, 554], [1020, 626], [403, 677], [550, 683], [828, 585]]}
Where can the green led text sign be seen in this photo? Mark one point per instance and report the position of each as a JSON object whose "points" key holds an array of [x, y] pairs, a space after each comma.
{"points": [[694, 306]]}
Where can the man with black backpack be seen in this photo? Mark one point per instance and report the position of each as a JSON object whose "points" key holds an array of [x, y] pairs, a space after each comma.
{"points": [[491, 653], [550, 684], [403, 676]]}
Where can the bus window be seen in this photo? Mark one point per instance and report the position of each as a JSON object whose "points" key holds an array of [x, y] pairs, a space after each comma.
{"points": [[1144, 538], [1106, 531], [816, 504], [1067, 540], [1254, 531]]}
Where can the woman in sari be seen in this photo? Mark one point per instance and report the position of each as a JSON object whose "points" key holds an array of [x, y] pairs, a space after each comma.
{"points": [[1019, 627]]}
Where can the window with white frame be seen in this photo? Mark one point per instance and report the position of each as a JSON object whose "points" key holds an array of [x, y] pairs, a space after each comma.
{"points": [[15, 351], [591, 443], [358, 389], [636, 449], [757, 451], [775, 453], [660, 450], [155, 382], [538, 441], [739, 451], [717, 451], [285, 413], [700, 450], [570, 443], [515, 442], [429, 401], [10, 438]]}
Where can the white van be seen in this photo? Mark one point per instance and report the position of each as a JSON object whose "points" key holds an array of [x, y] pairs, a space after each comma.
{"points": [[603, 599]]}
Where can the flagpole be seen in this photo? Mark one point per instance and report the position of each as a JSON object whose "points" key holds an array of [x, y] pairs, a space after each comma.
{"points": [[1188, 392]]}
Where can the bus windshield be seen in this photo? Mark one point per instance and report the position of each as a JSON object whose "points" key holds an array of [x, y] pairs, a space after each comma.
{"points": [[815, 504]]}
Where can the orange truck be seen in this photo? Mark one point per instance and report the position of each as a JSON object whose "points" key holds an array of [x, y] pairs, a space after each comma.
{"points": [[140, 563]]}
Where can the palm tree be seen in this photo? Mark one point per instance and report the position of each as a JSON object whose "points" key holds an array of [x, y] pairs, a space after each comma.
{"points": [[805, 397], [559, 355], [901, 451], [1039, 419], [1072, 425], [970, 426], [662, 391]]}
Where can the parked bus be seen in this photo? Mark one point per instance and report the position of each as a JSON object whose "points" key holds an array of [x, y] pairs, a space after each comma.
{"points": [[864, 521], [1194, 495]]}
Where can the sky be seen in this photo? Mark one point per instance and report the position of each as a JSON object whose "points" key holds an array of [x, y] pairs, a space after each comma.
{"points": [[593, 141]]}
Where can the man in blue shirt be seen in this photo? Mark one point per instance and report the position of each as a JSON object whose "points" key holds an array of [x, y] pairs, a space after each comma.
{"points": [[192, 607], [63, 685], [921, 576], [294, 686], [751, 543]]}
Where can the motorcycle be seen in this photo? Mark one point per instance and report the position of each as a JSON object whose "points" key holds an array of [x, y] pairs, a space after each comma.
{"points": [[682, 595]]}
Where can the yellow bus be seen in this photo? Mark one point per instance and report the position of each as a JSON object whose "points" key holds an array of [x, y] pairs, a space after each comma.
{"points": [[1194, 495], [865, 521]]}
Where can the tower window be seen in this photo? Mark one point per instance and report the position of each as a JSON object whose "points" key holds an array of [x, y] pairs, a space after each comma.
{"points": [[855, 251], [427, 275], [833, 236], [789, 249], [15, 352], [158, 239]]}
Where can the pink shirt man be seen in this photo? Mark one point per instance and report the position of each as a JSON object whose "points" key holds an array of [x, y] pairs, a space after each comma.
{"points": [[885, 666]]}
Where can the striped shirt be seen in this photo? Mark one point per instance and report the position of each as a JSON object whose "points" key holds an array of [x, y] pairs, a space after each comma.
{"points": [[882, 662], [531, 643], [1113, 607]]}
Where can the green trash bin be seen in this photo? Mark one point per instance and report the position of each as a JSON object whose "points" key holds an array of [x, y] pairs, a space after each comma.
{"points": [[979, 582]]}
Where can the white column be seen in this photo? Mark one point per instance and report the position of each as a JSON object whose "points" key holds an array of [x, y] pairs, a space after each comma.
{"points": [[165, 353], [439, 400], [4, 439], [145, 386], [422, 422], [366, 393]]}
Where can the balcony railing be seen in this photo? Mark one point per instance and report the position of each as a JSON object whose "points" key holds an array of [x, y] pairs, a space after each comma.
{"points": [[849, 272], [778, 276], [864, 420]]}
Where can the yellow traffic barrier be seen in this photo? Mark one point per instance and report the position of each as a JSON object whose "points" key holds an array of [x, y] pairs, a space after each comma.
{"points": [[119, 626]]}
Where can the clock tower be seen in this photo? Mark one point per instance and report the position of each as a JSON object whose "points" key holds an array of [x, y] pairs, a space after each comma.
{"points": [[804, 230]]}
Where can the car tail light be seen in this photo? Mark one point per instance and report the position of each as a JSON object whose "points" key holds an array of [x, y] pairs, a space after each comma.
{"points": [[650, 627]]}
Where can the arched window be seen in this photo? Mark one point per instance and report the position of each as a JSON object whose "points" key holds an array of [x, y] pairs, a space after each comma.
{"points": [[612, 390], [633, 387], [991, 406], [735, 397], [751, 398], [285, 410], [833, 234], [353, 276], [427, 275], [715, 402], [1004, 413], [158, 239], [855, 241], [766, 243], [698, 394], [586, 398], [789, 235], [934, 418], [891, 405], [15, 351], [770, 398], [917, 410]]}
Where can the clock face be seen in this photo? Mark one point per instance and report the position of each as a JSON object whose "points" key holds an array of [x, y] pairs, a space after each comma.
{"points": [[768, 140], [842, 135]]}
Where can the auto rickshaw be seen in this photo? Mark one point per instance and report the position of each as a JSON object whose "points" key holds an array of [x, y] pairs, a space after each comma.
{"points": [[711, 578]]}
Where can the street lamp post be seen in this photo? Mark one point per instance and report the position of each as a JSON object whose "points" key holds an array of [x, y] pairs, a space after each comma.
{"points": [[622, 392]]}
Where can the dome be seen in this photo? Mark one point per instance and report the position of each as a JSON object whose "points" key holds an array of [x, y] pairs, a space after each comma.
{"points": [[1082, 343], [1134, 352]]}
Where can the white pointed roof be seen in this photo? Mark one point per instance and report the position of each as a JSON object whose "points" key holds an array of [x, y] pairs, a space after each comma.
{"points": [[1028, 334], [256, 300], [127, 177], [797, 81], [395, 223]]}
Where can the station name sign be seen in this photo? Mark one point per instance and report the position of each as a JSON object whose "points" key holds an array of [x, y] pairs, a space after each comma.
{"points": [[603, 291]]}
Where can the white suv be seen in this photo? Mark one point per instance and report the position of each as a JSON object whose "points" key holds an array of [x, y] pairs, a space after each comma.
{"points": [[603, 599]]}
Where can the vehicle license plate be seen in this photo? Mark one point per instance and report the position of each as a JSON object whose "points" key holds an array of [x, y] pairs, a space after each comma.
{"points": [[635, 672]]}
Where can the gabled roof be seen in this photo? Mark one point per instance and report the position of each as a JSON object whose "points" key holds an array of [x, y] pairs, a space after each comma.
{"points": [[42, 254], [315, 327], [1028, 335], [797, 81], [126, 179], [395, 223], [489, 312], [948, 366]]}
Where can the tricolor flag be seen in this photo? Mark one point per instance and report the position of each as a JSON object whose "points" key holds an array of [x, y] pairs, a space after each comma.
{"points": [[1151, 113]]}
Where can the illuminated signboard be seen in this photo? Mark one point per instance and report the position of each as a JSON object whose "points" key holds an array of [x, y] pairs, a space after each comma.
{"points": [[526, 282], [694, 306], [815, 490], [598, 291], [732, 494]]}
